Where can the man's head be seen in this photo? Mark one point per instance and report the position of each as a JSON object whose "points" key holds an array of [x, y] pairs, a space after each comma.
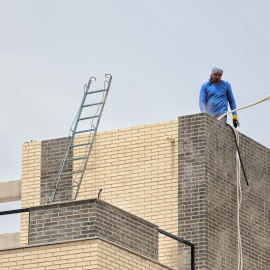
{"points": [[216, 75]]}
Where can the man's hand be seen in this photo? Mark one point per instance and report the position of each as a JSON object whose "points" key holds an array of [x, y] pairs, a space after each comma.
{"points": [[235, 121]]}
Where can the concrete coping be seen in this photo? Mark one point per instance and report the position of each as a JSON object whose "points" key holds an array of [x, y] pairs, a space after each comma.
{"points": [[10, 191], [94, 199]]}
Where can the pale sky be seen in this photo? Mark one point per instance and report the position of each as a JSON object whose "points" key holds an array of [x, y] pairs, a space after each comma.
{"points": [[159, 53]]}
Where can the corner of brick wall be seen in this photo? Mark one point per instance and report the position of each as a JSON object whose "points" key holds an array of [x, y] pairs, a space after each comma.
{"points": [[92, 218], [30, 192], [192, 214], [207, 195]]}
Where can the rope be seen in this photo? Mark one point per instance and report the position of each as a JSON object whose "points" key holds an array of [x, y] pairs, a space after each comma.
{"points": [[250, 105], [239, 164], [239, 201], [238, 179]]}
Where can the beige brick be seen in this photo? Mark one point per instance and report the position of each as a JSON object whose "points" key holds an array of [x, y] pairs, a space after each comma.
{"points": [[133, 165]]}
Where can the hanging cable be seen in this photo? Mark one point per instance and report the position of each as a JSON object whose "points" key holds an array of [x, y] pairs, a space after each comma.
{"points": [[238, 179], [235, 133]]}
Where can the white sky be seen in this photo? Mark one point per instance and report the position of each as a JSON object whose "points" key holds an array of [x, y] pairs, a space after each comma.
{"points": [[159, 53]]}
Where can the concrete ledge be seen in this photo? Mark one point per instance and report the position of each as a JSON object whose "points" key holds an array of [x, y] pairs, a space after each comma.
{"points": [[10, 191], [9, 240]]}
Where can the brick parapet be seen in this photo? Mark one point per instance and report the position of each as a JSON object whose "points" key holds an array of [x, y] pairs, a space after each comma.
{"points": [[128, 230], [89, 218], [136, 167], [207, 195]]}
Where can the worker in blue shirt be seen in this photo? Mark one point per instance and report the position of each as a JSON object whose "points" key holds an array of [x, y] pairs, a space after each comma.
{"points": [[214, 97]]}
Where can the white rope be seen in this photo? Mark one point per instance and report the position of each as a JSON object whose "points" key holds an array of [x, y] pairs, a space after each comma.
{"points": [[239, 201], [255, 103]]}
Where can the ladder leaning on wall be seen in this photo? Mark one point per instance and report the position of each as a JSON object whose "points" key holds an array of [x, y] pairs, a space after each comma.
{"points": [[84, 149]]}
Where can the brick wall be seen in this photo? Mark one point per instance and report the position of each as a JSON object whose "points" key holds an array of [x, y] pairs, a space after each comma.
{"points": [[31, 173], [192, 194], [137, 169], [91, 254], [115, 257], [73, 255], [207, 195], [89, 218], [52, 154], [127, 230]]}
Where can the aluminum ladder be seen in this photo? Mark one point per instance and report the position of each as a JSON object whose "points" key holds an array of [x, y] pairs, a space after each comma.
{"points": [[85, 148]]}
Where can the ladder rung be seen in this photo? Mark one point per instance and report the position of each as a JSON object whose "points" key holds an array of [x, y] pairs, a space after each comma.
{"points": [[67, 187], [70, 173], [71, 159], [93, 104], [84, 131], [77, 145], [91, 117], [103, 90]]}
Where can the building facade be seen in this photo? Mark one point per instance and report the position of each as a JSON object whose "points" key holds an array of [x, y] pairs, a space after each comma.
{"points": [[178, 176]]}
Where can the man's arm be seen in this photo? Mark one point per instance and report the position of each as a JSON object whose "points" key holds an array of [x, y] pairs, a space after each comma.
{"points": [[233, 106], [231, 98], [202, 98]]}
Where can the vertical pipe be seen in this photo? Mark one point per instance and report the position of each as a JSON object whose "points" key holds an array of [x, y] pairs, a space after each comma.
{"points": [[193, 257], [29, 220]]}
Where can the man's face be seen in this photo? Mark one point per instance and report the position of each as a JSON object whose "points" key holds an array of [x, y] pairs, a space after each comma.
{"points": [[216, 77]]}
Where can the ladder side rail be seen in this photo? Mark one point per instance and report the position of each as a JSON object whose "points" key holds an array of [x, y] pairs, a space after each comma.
{"points": [[80, 111], [71, 140], [93, 137]]}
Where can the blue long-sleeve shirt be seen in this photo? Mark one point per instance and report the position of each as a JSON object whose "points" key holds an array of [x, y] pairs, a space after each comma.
{"points": [[214, 98]]}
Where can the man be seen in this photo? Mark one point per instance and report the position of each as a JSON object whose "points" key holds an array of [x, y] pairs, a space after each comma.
{"points": [[214, 97]]}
